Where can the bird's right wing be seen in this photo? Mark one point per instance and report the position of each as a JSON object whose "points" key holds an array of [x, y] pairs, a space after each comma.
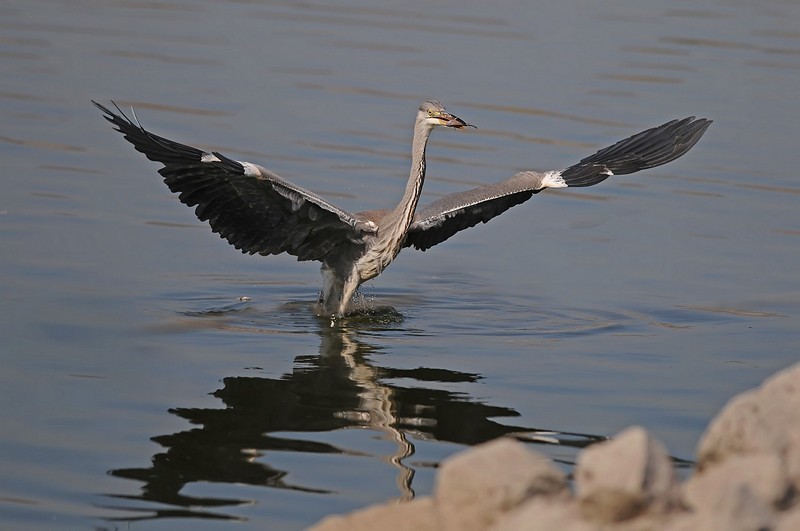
{"points": [[254, 209]]}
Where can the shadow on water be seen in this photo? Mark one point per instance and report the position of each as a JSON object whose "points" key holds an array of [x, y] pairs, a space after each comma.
{"points": [[340, 387]]}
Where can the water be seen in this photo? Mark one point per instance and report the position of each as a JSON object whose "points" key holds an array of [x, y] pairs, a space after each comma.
{"points": [[140, 392]]}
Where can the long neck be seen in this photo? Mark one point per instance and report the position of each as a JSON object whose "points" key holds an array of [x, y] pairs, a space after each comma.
{"points": [[400, 217]]}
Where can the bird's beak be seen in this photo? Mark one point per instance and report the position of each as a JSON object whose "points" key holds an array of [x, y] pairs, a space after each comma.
{"points": [[453, 121]]}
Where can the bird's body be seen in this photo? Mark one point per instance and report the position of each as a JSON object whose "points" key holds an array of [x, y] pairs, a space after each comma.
{"points": [[257, 211]]}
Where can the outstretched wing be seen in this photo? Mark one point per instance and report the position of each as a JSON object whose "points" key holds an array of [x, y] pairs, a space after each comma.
{"points": [[443, 218], [644, 150], [254, 209], [453, 213]]}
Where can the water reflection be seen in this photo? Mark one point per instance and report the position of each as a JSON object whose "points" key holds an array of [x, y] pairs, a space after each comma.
{"points": [[341, 387]]}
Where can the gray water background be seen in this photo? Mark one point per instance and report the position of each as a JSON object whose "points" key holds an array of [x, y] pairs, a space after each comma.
{"points": [[138, 392]]}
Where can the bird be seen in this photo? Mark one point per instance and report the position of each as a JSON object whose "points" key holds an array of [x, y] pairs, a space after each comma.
{"points": [[259, 212]]}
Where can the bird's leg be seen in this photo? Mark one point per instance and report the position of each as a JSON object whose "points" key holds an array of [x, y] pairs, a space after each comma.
{"points": [[338, 286], [332, 285], [348, 290]]}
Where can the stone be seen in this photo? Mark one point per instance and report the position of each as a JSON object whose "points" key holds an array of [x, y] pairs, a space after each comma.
{"points": [[748, 480], [474, 487], [764, 420], [544, 514], [619, 479], [789, 521], [740, 510], [764, 474], [415, 515]]}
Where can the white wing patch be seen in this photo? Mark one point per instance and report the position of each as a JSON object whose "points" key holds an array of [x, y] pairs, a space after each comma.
{"points": [[553, 179], [250, 169]]}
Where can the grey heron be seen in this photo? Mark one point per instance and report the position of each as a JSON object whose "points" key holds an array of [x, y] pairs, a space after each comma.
{"points": [[257, 211]]}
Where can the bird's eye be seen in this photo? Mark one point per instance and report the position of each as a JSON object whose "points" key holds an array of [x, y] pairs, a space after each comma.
{"points": [[431, 113]]}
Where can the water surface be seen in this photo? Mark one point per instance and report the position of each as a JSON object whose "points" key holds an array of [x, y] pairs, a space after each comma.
{"points": [[155, 378]]}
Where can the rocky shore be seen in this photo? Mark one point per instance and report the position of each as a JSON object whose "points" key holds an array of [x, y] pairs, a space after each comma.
{"points": [[747, 479]]}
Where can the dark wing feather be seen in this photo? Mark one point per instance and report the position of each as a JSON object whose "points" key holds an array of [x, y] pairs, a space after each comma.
{"points": [[252, 208], [443, 218], [647, 149]]}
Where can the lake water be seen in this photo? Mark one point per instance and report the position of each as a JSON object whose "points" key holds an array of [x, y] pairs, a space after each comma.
{"points": [[139, 391]]}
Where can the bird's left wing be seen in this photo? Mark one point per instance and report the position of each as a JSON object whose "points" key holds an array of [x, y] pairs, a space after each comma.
{"points": [[254, 209], [441, 219], [648, 149]]}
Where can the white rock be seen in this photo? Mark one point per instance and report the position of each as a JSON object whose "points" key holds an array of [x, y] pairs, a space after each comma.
{"points": [[474, 487], [741, 510], [621, 478], [763, 474], [789, 521], [749, 473], [765, 420], [416, 515], [544, 514]]}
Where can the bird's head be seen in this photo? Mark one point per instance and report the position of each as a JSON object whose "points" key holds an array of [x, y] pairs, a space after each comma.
{"points": [[433, 114]]}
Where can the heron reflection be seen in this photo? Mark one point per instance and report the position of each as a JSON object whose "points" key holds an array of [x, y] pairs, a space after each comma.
{"points": [[339, 388]]}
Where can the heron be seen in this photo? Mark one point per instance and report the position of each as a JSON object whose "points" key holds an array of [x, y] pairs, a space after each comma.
{"points": [[258, 212]]}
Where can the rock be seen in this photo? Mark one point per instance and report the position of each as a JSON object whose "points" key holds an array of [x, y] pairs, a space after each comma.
{"points": [[621, 478], [748, 480], [763, 474], [416, 515], [789, 521], [740, 510], [544, 514], [473, 488], [765, 420]]}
